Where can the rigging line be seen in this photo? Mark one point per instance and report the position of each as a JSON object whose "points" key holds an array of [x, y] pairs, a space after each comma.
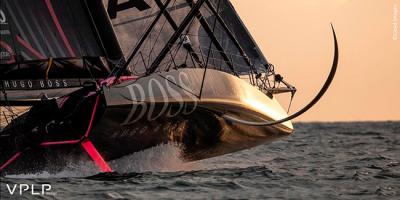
{"points": [[209, 53], [291, 101], [149, 43], [179, 86], [233, 54], [177, 50], [202, 55], [89, 66], [213, 60], [193, 62], [218, 28], [144, 62], [189, 47], [5, 117], [231, 35], [167, 15], [169, 19], [7, 102], [144, 22], [186, 57], [174, 8], [174, 57], [192, 14], [223, 61], [214, 26], [217, 44], [316, 99], [49, 65], [142, 40], [166, 61], [173, 60], [155, 42], [135, 63], [175, 27]]}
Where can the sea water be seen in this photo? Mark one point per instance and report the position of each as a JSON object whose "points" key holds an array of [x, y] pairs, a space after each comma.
{"points": [[319, 161]]}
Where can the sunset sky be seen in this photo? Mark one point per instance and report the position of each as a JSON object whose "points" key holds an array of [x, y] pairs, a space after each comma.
{"points": [[296, 37]]}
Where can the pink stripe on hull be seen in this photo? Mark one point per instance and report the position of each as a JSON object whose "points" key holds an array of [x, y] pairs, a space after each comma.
{"points": [[59, 28]]}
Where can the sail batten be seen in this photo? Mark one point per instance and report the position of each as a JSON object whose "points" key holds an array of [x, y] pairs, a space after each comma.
{"points": [[41, 29]]}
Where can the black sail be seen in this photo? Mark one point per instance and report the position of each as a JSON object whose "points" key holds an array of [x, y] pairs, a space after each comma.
{"points": [[72, 34], [49, 45], [215, 38], [40, 29]]}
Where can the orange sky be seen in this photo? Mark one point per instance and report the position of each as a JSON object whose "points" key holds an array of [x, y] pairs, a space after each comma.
{"points": [[295, 36]]}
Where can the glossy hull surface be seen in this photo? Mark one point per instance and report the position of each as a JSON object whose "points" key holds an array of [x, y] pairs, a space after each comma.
{"points": [[170, 107]]}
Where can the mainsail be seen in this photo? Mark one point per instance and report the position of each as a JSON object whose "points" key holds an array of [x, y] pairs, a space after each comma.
{"points": [[38, 30], [215, 38], [49, 45]]}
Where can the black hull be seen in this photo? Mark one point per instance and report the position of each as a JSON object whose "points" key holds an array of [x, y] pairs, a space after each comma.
{"points": [[119, 122], [200, 135]]}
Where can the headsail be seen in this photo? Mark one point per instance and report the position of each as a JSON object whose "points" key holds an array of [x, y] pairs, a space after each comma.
{"points": [[215, 37]]}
